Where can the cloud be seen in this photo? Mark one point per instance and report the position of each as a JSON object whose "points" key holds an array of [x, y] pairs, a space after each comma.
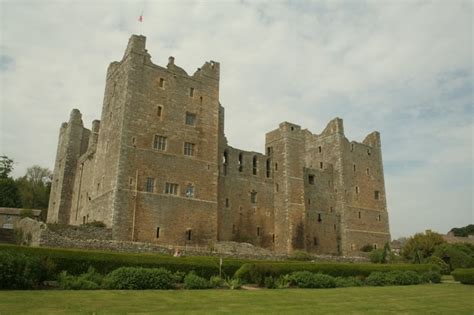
{"points": [[403, 68]]}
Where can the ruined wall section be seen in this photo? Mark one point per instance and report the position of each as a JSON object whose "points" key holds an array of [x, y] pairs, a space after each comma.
{"points": [[73, 140], [246, 193], [366, 217], [160, 103]]}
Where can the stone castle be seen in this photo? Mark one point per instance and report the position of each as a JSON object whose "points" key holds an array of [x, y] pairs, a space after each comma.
{"points": [[157, 168]]}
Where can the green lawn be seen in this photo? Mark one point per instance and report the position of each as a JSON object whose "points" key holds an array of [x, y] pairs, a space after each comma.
{"points": [[418, 299]]}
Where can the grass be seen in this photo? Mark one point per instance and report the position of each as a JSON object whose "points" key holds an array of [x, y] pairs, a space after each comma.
{"points": [[419, 299]]}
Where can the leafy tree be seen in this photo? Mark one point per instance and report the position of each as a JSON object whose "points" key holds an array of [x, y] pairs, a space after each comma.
{"points": [[9, 195], [422, 245], [6, 166], [35, 187], [460, 255], [463, 231]]}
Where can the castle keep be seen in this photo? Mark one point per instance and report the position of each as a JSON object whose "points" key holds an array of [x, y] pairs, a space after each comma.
{"points": [[157, 168]]}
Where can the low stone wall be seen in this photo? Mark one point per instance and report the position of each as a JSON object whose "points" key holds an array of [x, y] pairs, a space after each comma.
{"points": [[38, 234]]}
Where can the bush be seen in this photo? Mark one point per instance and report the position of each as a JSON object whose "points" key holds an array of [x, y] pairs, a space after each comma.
{"points": [[256, 272], [18, 271], [464, 275], [95, 223], [376, 256], [377, 279], [216, 282], [348, 282], [178, 276], [306, 279], [403, 278], [194, 282], [456, 255], [138, 278], [301, 256], [283, 282], [77, 262], [444, 267], [270, 283], [233, 284], [87, 281], [431, 277]]}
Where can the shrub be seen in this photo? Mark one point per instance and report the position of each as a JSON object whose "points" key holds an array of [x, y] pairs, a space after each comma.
{"points": [[178, 276], [76, 262], [431, 276], [301, 256], [82, 282], [233, 284], [464, 275], [348, 282], [377, 279], [216, 282], [270, 283], [283, 282], [306, 279], [403, 277], [444, 267], [18, 271], [138, 278], [95, 223], [256, 272], [456, 255], [194, 282], [376, 256]]}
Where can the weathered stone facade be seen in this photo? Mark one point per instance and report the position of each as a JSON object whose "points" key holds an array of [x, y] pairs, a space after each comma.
{"points": [[157, 168]]}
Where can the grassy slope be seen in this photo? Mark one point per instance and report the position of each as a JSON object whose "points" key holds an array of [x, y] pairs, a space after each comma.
{"points": [[418, 299]]}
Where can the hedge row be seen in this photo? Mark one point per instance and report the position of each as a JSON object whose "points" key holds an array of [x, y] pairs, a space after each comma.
{"points": [[77, 262], [257, 272], [464, 275]]}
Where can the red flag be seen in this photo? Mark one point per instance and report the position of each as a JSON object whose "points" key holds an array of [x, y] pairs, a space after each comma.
{"points": [[140, 19]]}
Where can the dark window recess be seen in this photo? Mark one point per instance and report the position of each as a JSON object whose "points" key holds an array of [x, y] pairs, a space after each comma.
{"points": [[276, 187], [311, 179], [171, 189], [254, 165], [233, 228], [273, 238], [379, 218], [377, 195], [191, 92], [162, 83], [354, 167], [258, 231], [367, 171], [200, 100], [319, 217], [190, 119], [268, 168], [368, 152], [241, 162], [320, 149], [320, 164], [159, 111], [227, 202], [335, 227], [315, 241], [309, 201], [157, 232], [225, 162], [359, 215], [253, 197], [189, 234], [276, 166], [357, 189], [150, 183]]}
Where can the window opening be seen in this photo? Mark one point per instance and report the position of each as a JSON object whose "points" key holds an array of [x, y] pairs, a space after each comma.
{"points": [[241, 162], [377, 195], [254, 165], [253, 196], [189, 234], [191, 92], [225, 162], [190, 191], [159, 111], [319, 217], [171, 188], [190, 119], [159, 143], [320, 164], [162, 83], [258, 231], [189, 148], [150, 183], [320, 149], [158, 232], [268, 168], [311, 179]]}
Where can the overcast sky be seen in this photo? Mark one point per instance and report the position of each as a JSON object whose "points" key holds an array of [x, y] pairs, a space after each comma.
{"points": [[404, 68]]}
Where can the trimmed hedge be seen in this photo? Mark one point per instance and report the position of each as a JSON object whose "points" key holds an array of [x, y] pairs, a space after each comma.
{"points": [[257, 272], [464, 275], [138, 278], [77, 262]]}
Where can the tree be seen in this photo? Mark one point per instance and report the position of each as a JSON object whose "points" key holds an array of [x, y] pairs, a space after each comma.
{"points": [[463, 231], [35, 187], [9, 195], [422, 245], [6, 166]]}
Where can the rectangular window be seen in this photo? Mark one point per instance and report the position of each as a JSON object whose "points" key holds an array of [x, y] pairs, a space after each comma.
{"points": [[354, 167], [159, 143], [315, 241], [357, 189], [171, 189], [162, 83], [190, 191], [320, 149], [189, 234], [359, 215], [258, 231], [379, 217], [367, 171], [157, 232], [150, 183], [377, 195], [159, 111], [233, 228], [319, 217], [227, 202], [191, 92], [190, 119], [320, 164], [253, 197], [311, 179], [189, 148]]}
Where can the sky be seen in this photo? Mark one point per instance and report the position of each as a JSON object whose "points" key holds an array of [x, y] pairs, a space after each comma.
{"points": [[403, 68]]}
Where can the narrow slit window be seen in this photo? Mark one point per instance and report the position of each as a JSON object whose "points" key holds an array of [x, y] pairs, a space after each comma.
{"points": [[191, 92], [368, 152], [320, 164], [227, 202], [157, 232], [253, 197], [379, 217], [315, 241], [354, 167], [319, 217], [150, 183], [367, 171], [254, 165], [359, 215], [357, 189], [159, 111], [225, 161], [268, 169], [320, 149], [162, 83], [258, 231], [277, 187], [377, 195], [233, 228], [276, 166], [241, 162], [189, 234]]}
